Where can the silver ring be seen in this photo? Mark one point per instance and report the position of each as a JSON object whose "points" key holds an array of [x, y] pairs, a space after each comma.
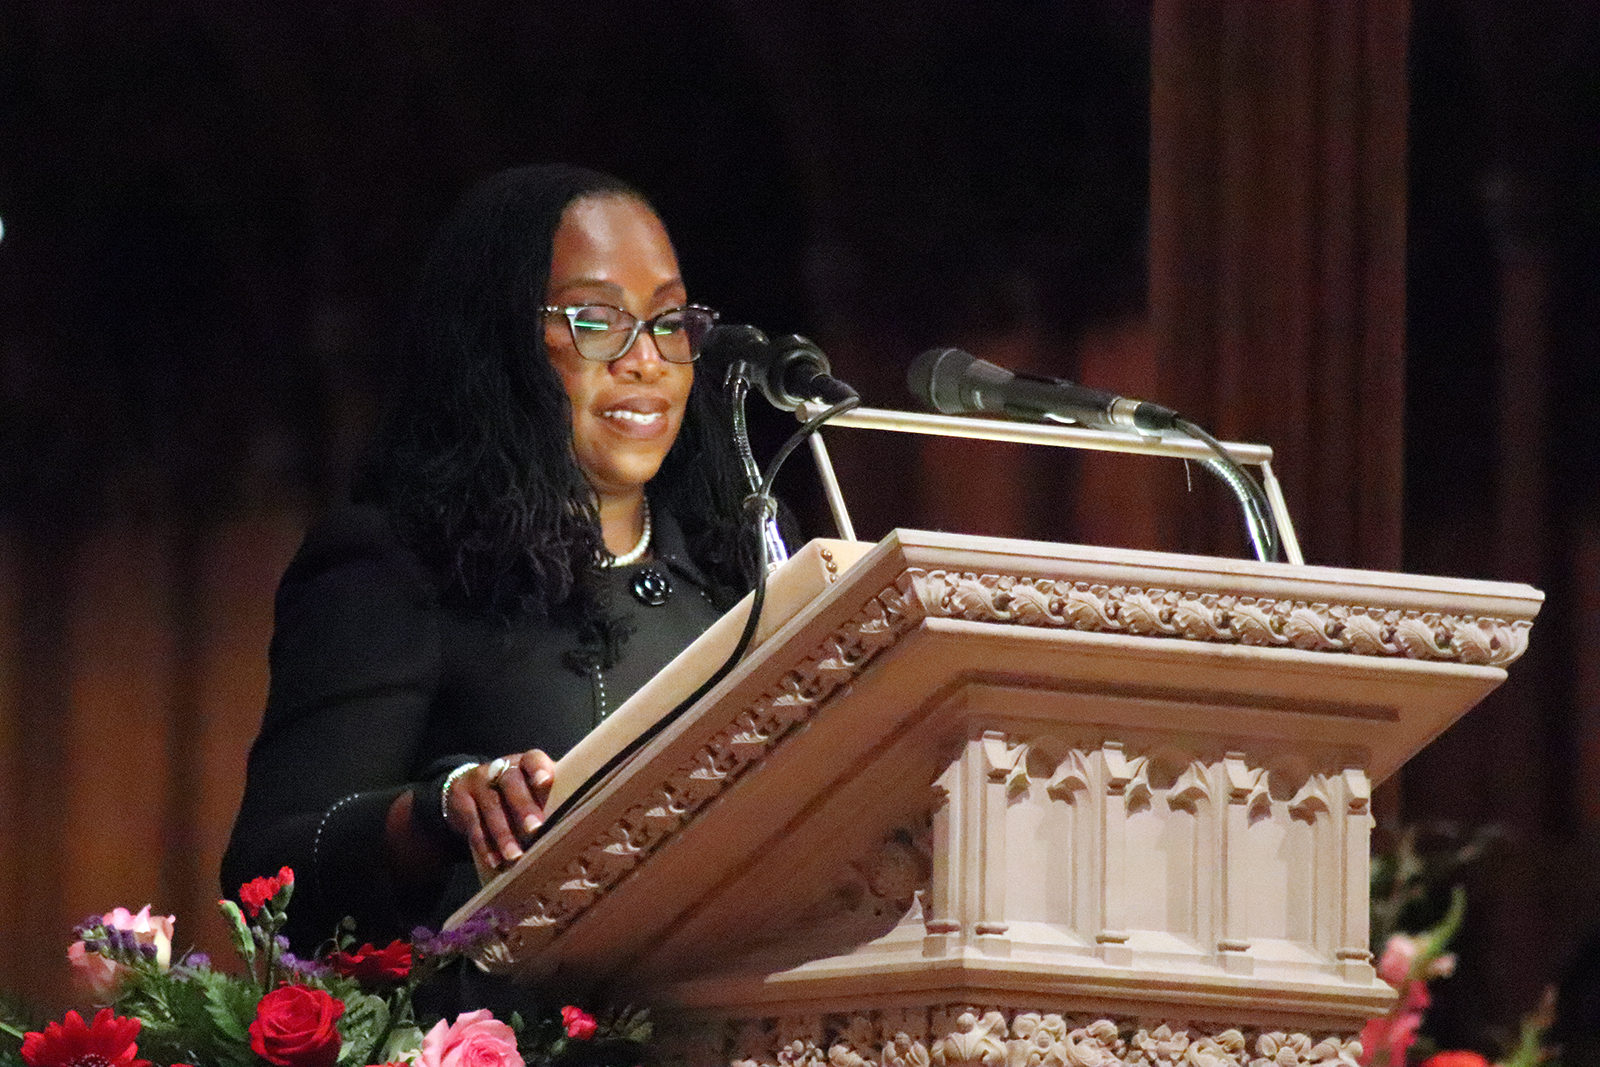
{"points": [[497, 770]]}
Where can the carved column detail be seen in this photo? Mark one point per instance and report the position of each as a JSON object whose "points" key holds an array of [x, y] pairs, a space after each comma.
{"points": [[997, 788], [945, 901], [1353, 792], [1247, 792], [1118, 771], [967, 895]]}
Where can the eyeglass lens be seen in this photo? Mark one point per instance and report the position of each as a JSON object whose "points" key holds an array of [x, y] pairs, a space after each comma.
{"points": [[601, 332]]}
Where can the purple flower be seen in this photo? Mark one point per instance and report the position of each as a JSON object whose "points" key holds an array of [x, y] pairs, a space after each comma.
{"points": [[308, 968], [480, 926]]}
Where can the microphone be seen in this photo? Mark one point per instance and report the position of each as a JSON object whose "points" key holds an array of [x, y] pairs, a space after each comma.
{"points": [[956, 382], [797, 371], [789, 370], [734, 349]]}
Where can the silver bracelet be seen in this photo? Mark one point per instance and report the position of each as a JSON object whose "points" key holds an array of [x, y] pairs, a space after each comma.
{"points": [[444, 790]]}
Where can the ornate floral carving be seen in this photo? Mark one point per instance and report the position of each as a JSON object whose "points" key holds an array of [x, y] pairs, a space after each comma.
{"points": [[970, 1036], [975, 1042], [1355, 629]]}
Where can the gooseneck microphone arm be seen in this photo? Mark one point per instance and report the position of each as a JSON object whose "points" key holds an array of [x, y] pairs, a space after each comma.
{"points": [[747, 353]]}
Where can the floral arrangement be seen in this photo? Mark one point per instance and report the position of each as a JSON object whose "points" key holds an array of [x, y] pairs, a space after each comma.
{"points": [[349, 1006], [1410, 935]]}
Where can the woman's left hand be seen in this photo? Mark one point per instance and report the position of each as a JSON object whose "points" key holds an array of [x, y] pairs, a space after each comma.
{"points": [[498, 805]]}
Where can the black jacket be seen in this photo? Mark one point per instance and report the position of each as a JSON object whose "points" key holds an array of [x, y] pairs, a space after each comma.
{"points": [[377, 687]]}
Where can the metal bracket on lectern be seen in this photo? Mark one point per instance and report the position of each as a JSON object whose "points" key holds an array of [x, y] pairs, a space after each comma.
{"points": [[1029, 433]]}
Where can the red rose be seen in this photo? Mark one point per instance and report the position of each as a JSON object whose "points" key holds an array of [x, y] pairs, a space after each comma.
{"points": [[368, 964], [296, 1027], [579, 1023], [255, 893]]}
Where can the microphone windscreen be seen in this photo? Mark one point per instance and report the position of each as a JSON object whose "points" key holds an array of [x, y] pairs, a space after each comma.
{"points": [[795, 360], [935, 378], [724, 345]]}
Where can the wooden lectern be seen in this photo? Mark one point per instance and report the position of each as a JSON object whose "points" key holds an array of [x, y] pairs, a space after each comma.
{"points": [[973, 800]]}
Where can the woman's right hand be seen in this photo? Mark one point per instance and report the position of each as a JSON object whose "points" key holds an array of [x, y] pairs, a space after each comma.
{"points": [[498, 805]]}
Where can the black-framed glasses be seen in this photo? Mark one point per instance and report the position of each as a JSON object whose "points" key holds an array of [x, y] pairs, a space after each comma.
{"points": [[605, 334]]}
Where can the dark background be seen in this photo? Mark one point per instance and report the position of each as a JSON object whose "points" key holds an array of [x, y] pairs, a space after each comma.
{"points": [[212, 214]]}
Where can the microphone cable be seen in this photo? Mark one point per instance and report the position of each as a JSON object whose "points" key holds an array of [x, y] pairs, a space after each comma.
{"points": [[758, 506]]}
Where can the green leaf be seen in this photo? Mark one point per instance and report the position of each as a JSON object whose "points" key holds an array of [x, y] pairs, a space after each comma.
{"points": [[364, 1025], [402, 1039], [232, 1007], [1433, 941], [1531, 1050]]}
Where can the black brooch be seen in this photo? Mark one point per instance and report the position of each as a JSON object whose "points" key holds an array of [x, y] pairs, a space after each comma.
{"points": [[651, 587]]}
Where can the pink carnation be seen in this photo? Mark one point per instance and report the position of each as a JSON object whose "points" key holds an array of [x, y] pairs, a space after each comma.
{"points": [[1400, 955], [475, 1039], [100, 977], [1389, 1038]]}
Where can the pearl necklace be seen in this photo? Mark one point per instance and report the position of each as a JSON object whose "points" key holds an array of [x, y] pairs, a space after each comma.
{"points": [[636, 553]]}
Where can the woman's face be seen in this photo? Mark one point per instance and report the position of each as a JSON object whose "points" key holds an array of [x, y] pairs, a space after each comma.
{"points": [[626, 413]]}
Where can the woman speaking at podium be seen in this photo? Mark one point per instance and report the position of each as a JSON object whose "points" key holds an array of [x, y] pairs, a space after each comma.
{"points": [[550, 514]]}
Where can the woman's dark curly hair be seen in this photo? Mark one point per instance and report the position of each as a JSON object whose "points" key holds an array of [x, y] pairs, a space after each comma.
{"points": [[475, 463]]}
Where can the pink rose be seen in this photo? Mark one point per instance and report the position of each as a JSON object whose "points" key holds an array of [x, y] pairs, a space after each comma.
{"points": [[475, 1039], [100, 977]]}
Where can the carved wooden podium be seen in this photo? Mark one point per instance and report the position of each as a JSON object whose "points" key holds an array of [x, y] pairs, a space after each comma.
{"points": [[988, 801]]}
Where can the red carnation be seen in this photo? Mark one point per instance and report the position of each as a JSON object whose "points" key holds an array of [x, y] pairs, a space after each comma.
{"points": [[579, 1023], [106, 1042], [368, 964], [255, 893], [296, 1026]]}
